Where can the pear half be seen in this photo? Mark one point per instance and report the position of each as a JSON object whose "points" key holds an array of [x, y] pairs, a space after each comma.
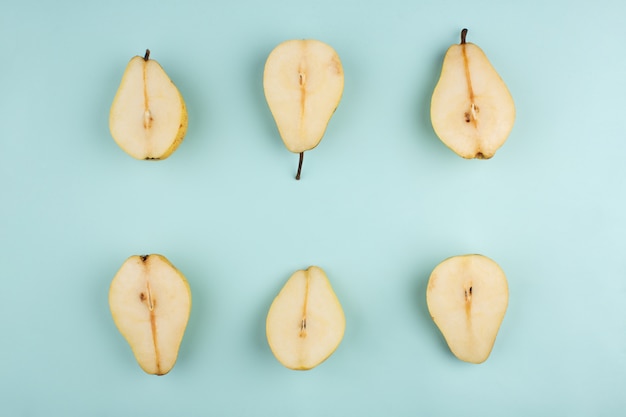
{"points": [[305, 323], [148, 117], [150, 301], [303, 84], [467, 297], [471, 109]]}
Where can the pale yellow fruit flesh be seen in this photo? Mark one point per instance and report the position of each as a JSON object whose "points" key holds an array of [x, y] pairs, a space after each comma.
{"points": [[305, 323], [467, 297], [148, 117], [150, 301], [472, 111], [303, 83]]}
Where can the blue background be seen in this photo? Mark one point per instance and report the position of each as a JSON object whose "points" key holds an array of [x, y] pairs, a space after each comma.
{"points": [[381, 202]]}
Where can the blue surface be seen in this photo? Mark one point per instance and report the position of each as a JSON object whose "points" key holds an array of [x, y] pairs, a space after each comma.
{"points": [[381, 202]]}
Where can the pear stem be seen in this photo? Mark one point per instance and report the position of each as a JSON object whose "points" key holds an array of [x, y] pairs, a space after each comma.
{"points": [[463, 35], [147, 55], [300, 166]]}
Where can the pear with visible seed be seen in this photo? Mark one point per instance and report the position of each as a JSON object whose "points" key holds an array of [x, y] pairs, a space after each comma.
{"points": [[303, 84], [150, 301], [305, 322], [467, 297], [471, 109], [148, 117]]}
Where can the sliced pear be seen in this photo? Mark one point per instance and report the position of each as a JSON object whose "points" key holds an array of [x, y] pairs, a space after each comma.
{"points": [[467, 297], [305, 323], [471, 109], [148, 117], [150, 301], [303, 83]]}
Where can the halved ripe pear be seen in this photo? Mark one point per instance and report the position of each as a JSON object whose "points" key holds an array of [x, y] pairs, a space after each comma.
{"points": [[305, 322], [471, 110], [467, 297], [150, 301], [303, 84], [148, 117]]}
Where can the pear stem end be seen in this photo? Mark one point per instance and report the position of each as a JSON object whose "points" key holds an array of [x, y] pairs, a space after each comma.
{"points": [[463, 35], [300, 166]]}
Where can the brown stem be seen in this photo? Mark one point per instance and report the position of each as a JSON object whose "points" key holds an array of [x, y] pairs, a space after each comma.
{"points": [[147, 55], [300, 166], [463, 35]]}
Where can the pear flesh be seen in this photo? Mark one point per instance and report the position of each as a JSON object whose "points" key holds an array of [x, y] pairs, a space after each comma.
{"points": [[472, 111], [150, 301], [303, 83], [467, 297], [148, 117], [305, 322]]}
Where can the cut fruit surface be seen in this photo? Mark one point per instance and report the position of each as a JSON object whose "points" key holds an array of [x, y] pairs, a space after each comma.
{"points": [[303, 83], [467, 297], [305, 322], [472, 111], [150, 301], [148, 117]]}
